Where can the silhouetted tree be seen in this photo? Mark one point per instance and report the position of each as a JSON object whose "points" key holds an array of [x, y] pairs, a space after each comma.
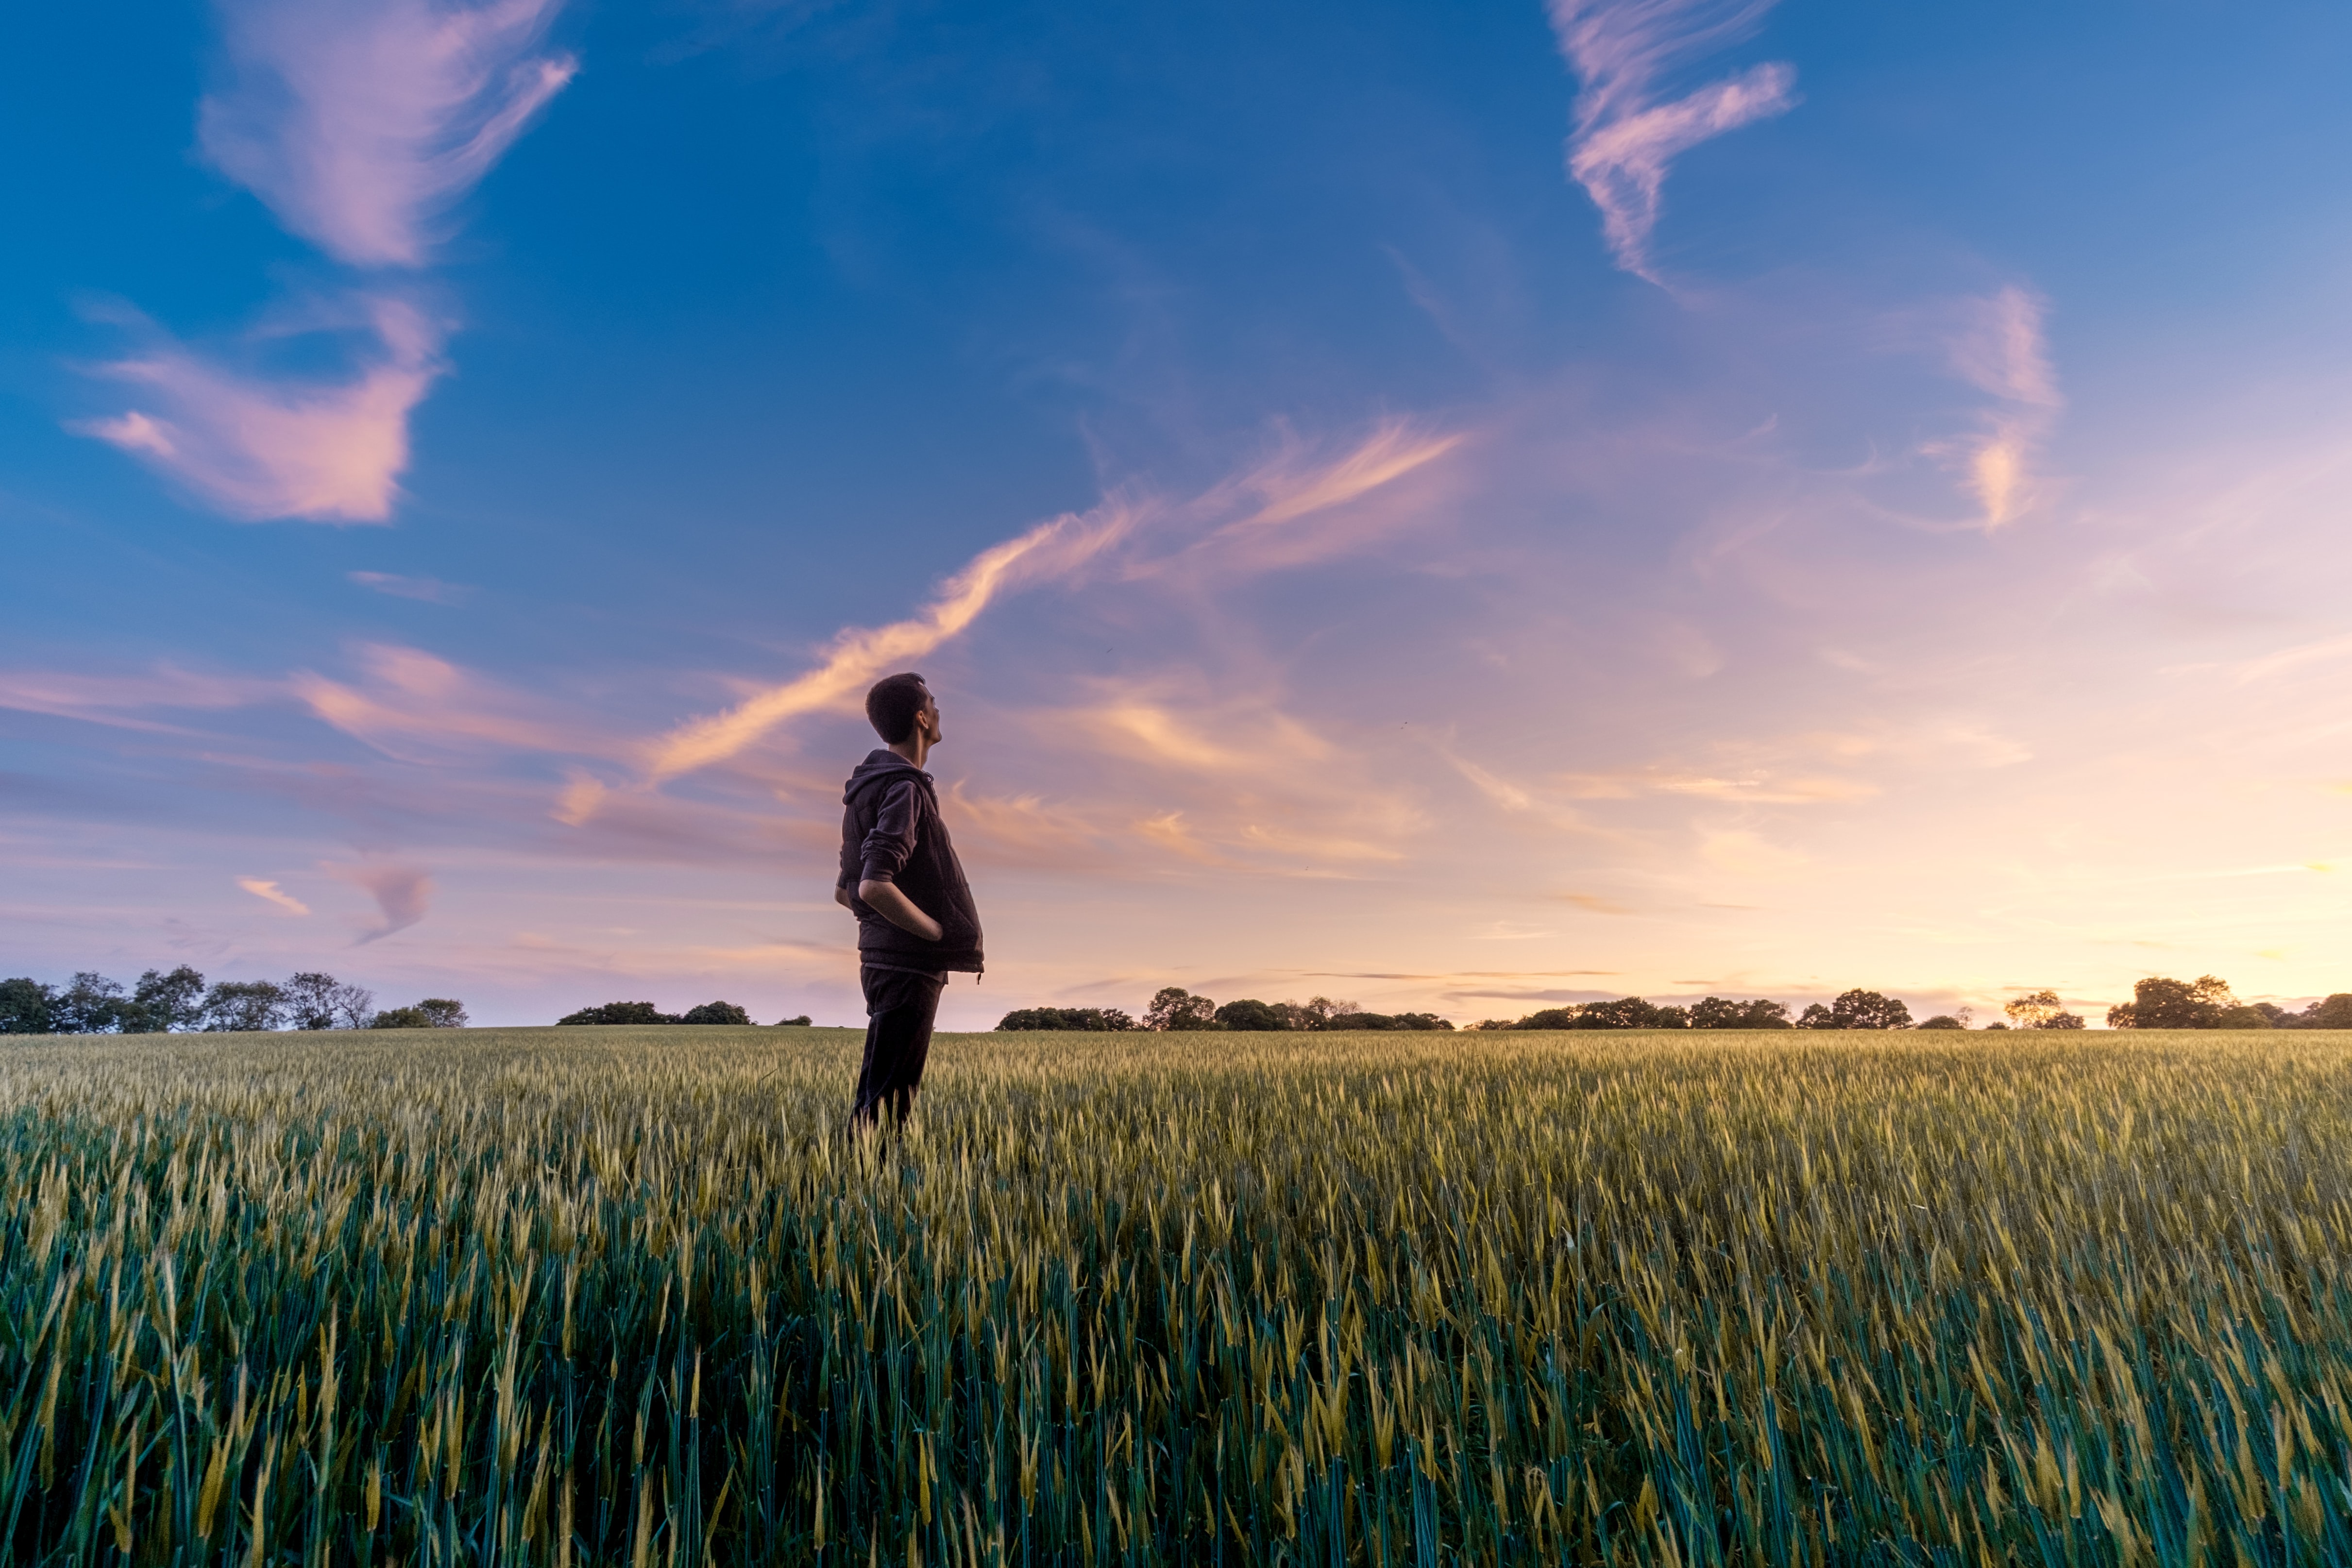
{"points": [[234, 1005], [1089, 1020], [1176, 1009], [1721, 1012], [716, 1012], [1868, 1009], [401, 1018], [618, 1013], [1941, 1020], [448, 1012], [1549, 1017], [91, 1005], [2158, 1002], [1251, 1014], [800, 1022], [27, 1007], [161, 1003], [309, 1001]]}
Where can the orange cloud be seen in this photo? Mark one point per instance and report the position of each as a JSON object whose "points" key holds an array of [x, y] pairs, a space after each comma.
{"points": [[860, 655]]}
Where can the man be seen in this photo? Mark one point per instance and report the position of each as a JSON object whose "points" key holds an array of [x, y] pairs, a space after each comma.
{"points": [[899, 876]]}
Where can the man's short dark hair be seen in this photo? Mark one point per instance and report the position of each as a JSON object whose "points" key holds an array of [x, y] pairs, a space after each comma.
{"points": [[892, 705]]}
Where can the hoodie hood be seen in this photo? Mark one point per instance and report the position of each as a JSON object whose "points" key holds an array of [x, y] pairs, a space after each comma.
{"points": [[879, 766]]}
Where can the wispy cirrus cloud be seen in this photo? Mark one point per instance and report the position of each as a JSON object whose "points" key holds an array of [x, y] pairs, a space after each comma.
{"points": [[360, 123], [256, 446], [1997, 345], [403, 895], [414, 705], [859, 655], [1627, 133], [114, 699], [1285, 490], [425, 590]]}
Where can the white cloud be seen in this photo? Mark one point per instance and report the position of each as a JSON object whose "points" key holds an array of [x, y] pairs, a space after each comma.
{"points": [[360, 122], [1627, 134]]}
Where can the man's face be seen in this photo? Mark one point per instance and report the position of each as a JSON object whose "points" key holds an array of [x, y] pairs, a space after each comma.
{"points": [[928, 721]]}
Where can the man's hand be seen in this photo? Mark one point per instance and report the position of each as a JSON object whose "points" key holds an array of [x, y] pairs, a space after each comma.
{"points": [[885, 899]]}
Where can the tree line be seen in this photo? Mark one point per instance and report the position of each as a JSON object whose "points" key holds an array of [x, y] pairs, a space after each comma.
{"points": [[180, 1002], [1176, 1009], [645, 1012], [2158, 1003]]}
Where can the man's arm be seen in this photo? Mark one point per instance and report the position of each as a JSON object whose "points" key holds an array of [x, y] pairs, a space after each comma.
{"points": [[885, 899], [885, 855]]}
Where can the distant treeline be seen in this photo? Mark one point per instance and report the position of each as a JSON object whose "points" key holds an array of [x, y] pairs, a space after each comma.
{"points": [[1175, 1009], [645, 1012], [2158, 1003], [2205, 1002], [180, 1002]]}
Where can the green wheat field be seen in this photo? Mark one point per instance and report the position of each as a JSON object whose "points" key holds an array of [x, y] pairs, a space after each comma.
{"points": [[632, 1296]]}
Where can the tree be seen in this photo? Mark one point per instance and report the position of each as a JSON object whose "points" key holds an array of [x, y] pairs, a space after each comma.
{"points": [[618, 1013], [448, 1012], [1176, 1009], [1816, 1016], [354, 1006], [310, 999], [716, 1012], [1314, 1012], [800, 1022], [401, 1018], [27, 1007], [2158, 1002], [2028, 1011], [2062, 1020], [1941, 1020], [2336, 1012], [1549, 1017], [235, 1005], [1721, 1012], [1630, 1013], [1089, 1021], [1868, 1009], [1251, 1015], [161, 1003], [91, 1005]]}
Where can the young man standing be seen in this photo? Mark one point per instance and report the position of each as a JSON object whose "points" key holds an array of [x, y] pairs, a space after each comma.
{"points": [[899, 876]]}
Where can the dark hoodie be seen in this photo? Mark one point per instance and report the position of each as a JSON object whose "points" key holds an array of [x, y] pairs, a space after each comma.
{"points": [[891, 831]]}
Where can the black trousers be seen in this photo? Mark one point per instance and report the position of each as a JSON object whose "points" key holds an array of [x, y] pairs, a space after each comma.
{"points": [[899, 1007]]}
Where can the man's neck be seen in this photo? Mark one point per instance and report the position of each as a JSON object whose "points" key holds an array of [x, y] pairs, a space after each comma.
{"points": [[914, 749]]}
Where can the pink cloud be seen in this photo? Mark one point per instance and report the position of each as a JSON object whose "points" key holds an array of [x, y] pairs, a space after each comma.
{"points": [[402, 895], [111, 699], [1626, 139], [409, 696], [257, 447], [426, 589], [360, 123]]}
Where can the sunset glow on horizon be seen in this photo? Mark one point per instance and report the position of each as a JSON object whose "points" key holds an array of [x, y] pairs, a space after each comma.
{"points": [[1464, 510]]}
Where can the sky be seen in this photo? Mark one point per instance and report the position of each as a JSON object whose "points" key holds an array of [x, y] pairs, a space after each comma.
{"points": [[1462, 509]]}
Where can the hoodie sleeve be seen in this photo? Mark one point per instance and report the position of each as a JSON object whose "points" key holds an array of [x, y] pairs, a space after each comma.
{"points": [[892, 840]]}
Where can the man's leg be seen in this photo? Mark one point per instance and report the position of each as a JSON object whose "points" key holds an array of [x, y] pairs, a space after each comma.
{"points": [[899, 1007]]}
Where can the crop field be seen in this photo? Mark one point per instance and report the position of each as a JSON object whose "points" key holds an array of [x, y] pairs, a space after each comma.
{"points": [[632, 1296]]}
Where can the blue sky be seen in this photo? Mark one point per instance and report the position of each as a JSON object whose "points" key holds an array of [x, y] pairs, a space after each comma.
{"points": [[1454, 506]]}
